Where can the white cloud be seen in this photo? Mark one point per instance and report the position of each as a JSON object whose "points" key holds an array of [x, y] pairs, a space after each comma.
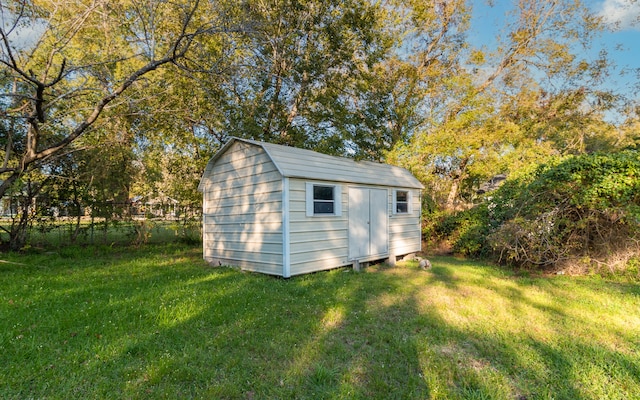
{"points": [[621, 14]]}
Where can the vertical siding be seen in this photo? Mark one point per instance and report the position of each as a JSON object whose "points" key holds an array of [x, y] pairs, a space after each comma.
{"points": [[242, 200], [404, 229], [319, 242]]}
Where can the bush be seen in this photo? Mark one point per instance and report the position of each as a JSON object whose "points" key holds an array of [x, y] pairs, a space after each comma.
{"points": [[188, 230], [576, 210], [584, 207], [470, 232]]}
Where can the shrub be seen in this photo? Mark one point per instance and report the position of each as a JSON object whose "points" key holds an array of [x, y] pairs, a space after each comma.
{"points": [[584, 207], [466, 231], [471, 232]]}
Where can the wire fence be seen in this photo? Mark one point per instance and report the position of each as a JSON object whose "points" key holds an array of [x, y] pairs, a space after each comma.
{"points": [[116, 224]]}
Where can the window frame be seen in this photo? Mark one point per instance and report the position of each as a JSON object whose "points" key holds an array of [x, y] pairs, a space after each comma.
{"points": [[409, 202], [311, 200]]}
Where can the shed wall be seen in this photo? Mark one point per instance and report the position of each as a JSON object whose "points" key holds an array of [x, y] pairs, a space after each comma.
{"points": [[405, 233], [242, 211], [319, 242], [322, 242]]}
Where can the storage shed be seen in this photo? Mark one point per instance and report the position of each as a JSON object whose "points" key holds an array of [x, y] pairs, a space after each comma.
{"points": [[286, 211]]}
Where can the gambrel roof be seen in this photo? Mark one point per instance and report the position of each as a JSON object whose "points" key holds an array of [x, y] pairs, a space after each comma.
{"points": [[306, 164]]}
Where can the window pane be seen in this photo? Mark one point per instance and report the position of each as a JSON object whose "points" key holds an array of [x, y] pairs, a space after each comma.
{"points": [[323, 207], [322, 192], [402, 202]]}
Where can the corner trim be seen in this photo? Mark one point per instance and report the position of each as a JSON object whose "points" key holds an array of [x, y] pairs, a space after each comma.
{"points": [[286, 232]]}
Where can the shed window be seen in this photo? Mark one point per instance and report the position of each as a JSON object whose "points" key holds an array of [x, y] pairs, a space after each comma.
{"points": [[401, 202], [323, 199]]}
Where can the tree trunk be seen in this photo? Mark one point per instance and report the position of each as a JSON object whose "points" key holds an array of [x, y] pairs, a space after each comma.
{"points": [[453, 194], [19, 228], [455, 185]]}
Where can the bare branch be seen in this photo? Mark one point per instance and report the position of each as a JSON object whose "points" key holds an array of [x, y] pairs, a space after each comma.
{"points": [[178, 50]]}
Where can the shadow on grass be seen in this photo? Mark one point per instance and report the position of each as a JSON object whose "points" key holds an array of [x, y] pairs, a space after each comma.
{"points": [[149, 324]]}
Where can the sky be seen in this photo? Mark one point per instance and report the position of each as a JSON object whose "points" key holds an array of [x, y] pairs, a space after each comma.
{"points": [[624, 18], [621, 41]]}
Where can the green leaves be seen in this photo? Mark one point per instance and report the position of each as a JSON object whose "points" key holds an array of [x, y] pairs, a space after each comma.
{"points": [[580, 212], [305, 77], [585, 206]]}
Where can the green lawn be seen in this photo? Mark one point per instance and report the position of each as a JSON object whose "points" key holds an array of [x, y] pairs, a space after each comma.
{"points": [[156, 322]]}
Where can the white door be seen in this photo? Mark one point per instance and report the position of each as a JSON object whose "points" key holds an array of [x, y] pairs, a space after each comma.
{"points": [[368, 223]]}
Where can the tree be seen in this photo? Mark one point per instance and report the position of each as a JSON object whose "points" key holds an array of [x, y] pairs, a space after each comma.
{"points": [[303, 74], [531, 96], [85, 61]]}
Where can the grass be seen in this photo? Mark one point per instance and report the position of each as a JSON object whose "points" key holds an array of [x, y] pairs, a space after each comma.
{"points": [[156, 322]]}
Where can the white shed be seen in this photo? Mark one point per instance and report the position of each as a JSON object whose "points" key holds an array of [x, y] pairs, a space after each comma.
{"points": [[286, 211]]}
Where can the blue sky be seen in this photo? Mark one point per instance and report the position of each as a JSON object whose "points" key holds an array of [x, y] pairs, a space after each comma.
{"points": [[621, 41]]}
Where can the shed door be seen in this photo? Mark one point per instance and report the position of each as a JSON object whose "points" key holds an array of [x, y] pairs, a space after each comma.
{"points": [[368, 223]]}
